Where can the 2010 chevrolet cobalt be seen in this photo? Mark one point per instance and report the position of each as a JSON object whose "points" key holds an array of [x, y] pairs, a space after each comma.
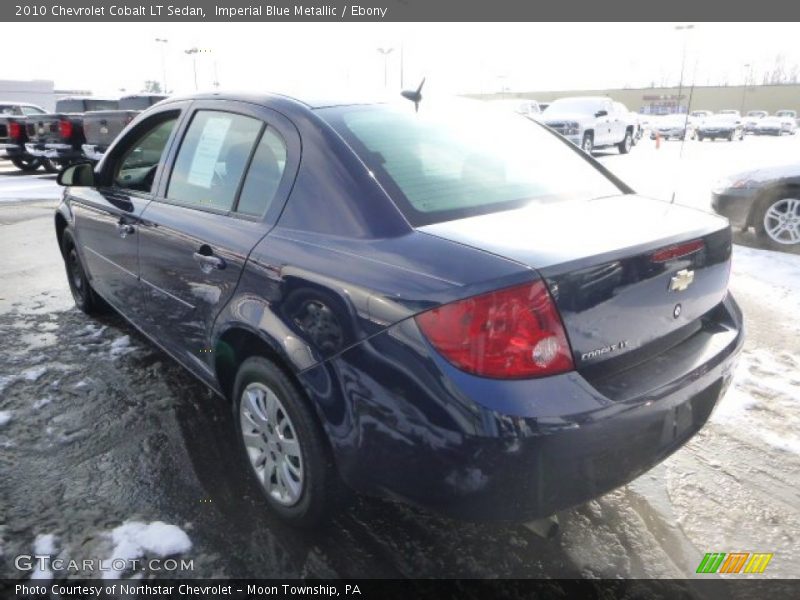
{"points": [[456, 308]]}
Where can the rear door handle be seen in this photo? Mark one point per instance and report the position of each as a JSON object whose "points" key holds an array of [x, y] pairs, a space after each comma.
{"points": [[208, 262]]}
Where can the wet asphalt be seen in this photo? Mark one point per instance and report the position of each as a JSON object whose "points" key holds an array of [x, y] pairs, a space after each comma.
{"points": [[104, 428]]}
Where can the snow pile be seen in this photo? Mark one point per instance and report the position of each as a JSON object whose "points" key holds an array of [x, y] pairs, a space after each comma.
{"points": [[135, 539], [5, 417], [43, 546]]}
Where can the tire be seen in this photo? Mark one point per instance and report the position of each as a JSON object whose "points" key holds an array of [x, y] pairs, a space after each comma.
{"points": [[588, 142], [86, 299], [26, 164], [290, 463], [780, 210], [732, 136], [700, 138], [50, 166], [626, 144]]}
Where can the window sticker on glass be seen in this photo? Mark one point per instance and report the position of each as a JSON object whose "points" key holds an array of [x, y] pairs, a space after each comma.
{"points": [[206, 154]]}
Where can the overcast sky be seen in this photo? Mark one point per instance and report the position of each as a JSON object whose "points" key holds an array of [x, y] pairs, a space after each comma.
{"points": [[455, 57]]}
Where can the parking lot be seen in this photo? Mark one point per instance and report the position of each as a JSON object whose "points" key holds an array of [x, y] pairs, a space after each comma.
{"points": [[98, 429]]}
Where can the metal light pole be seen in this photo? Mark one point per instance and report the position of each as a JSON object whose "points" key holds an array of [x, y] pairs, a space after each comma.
{"points": [[193, 53], [685, 28], [744, 87], [163, 42], [385, 52]]}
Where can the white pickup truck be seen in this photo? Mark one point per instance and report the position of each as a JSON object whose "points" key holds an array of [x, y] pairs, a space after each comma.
{"points": [[591, 122]]}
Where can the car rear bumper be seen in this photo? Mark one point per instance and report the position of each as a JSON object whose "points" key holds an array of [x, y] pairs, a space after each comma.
{"points": [[735, 204], [55, 151], [12, 150], [93, 151], [546, 445]]}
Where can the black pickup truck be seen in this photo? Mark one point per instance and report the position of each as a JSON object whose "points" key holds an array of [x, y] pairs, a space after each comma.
{"points": [[59, 136], [101, 127], [13, 135]]}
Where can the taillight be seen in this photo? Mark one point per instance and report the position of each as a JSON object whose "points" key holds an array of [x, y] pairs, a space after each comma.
{"points": [[514, 333], [65, 129], [14, 130], [677, 251]]}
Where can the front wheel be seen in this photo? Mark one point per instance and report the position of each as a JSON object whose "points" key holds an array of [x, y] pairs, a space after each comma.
{"points": [[778, 220], [625, 145], [26, 164], [86, 299], [50, 166], [284, 445], [588, 143]]}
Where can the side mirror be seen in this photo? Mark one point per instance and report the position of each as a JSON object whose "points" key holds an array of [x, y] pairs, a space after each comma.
{"points": [[601, 113], [80, 175]]}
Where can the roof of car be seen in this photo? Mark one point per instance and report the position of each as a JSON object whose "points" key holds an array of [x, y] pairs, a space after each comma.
{"points": [[266, 98]]}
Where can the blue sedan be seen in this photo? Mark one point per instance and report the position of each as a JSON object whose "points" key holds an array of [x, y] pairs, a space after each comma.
{"points": [[447, 306]]}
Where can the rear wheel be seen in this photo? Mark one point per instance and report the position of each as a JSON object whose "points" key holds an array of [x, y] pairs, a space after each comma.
{"points": [[86, 299], [777, 220], [283, 444], [26, 164], [625, 145]]}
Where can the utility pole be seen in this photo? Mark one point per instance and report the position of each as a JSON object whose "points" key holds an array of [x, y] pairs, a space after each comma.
{"points": [[385, 52], [686, 29], [163, 42], [193, 53]]}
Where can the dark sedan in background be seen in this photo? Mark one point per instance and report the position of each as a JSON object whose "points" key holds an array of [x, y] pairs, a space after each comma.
{"points": [[766, 199], [457, 308]]}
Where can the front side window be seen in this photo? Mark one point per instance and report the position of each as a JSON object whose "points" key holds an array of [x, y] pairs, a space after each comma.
{"points": [[453, 163], [137, 168], [212, 159]]}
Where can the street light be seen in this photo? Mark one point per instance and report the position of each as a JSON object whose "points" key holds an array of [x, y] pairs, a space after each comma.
{"points": [[163, 42], [744, 87], [385, 52], [685, 28], [193, 53]]}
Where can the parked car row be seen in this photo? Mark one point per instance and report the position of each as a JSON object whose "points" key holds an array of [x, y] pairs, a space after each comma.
{"points": [[80, 128]]}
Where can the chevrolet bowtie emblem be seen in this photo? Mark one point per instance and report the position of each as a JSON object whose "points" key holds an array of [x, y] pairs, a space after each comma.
{"points": [[681, 280]]}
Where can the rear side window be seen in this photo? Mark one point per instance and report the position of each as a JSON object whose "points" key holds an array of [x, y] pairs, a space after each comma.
{"points": [[212, 159], [31, 110], [264, 175]]}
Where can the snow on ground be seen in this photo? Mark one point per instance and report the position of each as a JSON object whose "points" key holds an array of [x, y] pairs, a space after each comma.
{"points": [[44, 547], [134, 539], [5, 417]]}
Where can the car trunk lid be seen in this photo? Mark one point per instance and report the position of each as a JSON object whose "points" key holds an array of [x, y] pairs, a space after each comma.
{"points": [[100, 128], [627, 273]]}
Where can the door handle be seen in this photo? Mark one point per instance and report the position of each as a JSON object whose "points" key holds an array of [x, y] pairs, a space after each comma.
{"points": [[125, 229], [208, 261]]}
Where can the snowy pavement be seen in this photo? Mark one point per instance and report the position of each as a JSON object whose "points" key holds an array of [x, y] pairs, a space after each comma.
{"points": [[108, 449]]}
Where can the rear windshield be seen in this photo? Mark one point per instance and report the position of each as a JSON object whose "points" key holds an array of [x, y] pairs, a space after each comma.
{"points": [[79, 106], [139, 102], [440, 165]]}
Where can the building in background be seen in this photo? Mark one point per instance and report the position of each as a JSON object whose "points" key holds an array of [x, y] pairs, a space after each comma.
{"points": [[41, 92], [668, 100]]}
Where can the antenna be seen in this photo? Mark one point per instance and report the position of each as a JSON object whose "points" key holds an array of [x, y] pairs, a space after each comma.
{"points": [[414, 95]]}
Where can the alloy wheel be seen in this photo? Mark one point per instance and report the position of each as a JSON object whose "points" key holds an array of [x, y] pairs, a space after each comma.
{"points": [[782, 221], [271, 442]]}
